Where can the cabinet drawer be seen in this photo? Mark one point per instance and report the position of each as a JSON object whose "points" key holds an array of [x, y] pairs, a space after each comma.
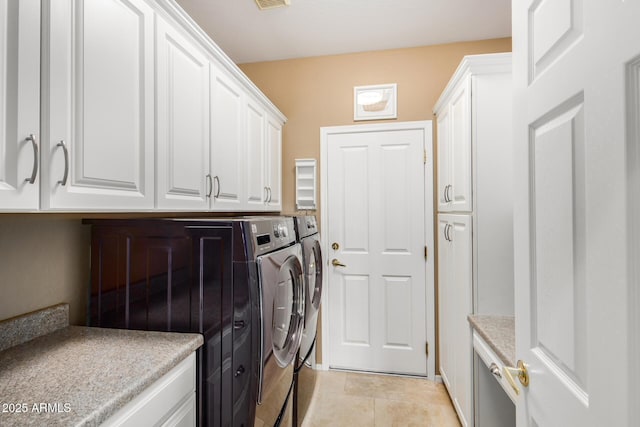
{"points": [[162, 399], [489, 357]]}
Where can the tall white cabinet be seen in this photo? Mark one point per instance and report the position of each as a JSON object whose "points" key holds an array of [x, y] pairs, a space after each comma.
{"points": [[475, 248]]}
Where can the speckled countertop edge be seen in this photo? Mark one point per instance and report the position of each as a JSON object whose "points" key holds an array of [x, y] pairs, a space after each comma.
{"points": [[499, 333], [84, 374]]}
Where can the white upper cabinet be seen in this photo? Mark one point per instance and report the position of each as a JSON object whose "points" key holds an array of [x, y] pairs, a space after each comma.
{"points": [[256, 190], [227, 141], [264, 159], [273, 166], [97, 131], [454, 141], [460, 192], [127, 105], [20, 104], [183, 178]]}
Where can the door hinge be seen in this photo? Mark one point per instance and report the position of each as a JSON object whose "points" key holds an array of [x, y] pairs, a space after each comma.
{"points": [[426, 348], [425, 157], [426, 253]]}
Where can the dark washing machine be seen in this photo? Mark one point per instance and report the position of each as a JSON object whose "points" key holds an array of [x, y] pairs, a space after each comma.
{"points": [[281, 284], [305, 374]]}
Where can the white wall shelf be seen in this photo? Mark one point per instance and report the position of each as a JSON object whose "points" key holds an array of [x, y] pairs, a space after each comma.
{"points": [[306, 195]]}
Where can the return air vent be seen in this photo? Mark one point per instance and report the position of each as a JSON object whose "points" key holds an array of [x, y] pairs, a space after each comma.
{"points": [[271, 4]]}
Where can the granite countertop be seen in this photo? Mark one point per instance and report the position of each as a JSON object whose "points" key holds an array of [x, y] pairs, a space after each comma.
{"points": [[79, 376], [499, 332]]}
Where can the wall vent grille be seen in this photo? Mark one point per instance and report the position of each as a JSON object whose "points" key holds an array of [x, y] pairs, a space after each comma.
{"points": [[271, 4]]}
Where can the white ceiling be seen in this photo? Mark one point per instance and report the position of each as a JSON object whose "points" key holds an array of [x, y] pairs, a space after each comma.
{"points": [[327, 27]]}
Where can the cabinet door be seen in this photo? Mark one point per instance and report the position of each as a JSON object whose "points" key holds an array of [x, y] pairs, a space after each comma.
{"points": [[460, 144], [227, 140], [274, 164], [19, 104], [257, 192], [455, 273], [461, 305], [98, 136], [444, 159], [445, 302], [183, 122]]}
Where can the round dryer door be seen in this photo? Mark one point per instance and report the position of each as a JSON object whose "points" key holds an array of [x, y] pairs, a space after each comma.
{"points": [[288, 312]]}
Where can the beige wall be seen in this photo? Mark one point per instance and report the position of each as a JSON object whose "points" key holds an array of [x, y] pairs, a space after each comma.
{"points": [[44, 260], [316, 92]]}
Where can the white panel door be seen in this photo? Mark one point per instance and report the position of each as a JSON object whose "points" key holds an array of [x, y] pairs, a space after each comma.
{"points": [[256, 191], [98, 136], [274, 164], [19, 104], [455, 276], [227, 142], [183, 178], [376, 216], [460, 192], [576, 115]]}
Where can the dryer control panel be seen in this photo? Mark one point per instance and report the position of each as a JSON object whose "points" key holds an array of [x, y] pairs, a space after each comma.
{"points": [[270, 234]]}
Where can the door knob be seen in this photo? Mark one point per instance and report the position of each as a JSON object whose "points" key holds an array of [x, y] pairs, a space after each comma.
{"points": [[521, 371], [337, 263]]}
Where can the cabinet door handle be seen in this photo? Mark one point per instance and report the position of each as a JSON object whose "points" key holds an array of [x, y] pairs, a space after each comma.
{"points": [[34, 171], [217, 180], [447, 198], [269, 189], [495, 370], [210, 181], [266, 197], [447, 236], [63, 181]]}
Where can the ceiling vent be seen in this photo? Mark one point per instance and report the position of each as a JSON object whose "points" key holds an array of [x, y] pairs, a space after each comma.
{"points": [[272, 4]]}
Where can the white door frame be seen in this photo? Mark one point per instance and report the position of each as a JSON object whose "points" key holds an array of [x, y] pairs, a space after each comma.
{"points": [[426, 126]]}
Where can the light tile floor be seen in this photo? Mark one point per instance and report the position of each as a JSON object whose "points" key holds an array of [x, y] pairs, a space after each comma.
{"points": [[354, 399]]}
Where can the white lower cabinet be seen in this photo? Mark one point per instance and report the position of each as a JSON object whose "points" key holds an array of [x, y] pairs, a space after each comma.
{"points": [[98, 105], [170, 401], [454, 305], [182, 122]]}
